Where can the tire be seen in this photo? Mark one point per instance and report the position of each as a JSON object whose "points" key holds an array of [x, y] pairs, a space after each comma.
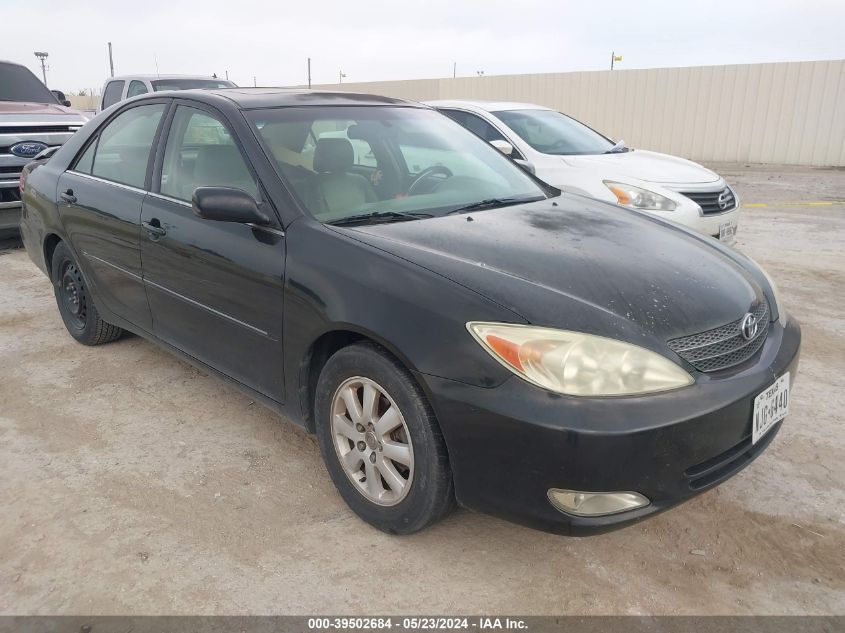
{"points": [[76, 305], [428, 493]]}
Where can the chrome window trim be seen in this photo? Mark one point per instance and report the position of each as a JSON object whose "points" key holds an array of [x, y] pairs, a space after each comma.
{"points": [[108, 182]]}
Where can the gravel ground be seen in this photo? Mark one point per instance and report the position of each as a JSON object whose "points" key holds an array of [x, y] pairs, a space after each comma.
{"points": [[132, 483]]}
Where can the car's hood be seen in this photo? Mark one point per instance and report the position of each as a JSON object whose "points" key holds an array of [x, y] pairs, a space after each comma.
{"points": [[44, 111], [644, 165], [631, 276]]}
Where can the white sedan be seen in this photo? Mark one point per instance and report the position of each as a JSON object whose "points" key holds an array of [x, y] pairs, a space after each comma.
{"points": [[573, 157]]}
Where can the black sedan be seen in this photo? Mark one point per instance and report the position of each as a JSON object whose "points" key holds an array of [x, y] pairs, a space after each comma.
{"points": [[451, 328]]}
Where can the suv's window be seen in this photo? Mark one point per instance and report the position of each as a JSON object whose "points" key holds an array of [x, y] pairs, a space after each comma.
{"points": [[200, 152], [136, 88], [112, 93], [186, 83], [17, 83], [124, 147]]}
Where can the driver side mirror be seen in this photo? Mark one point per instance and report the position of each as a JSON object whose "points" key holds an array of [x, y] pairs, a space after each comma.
{"points": [[503, 146], [227, 204]]}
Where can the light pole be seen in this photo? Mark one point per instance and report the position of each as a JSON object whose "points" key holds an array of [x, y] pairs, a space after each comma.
{"points": [[42, 57], [340, 76]]}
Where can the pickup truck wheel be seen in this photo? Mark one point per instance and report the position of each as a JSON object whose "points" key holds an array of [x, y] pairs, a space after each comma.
{"points": [[76, 306], [381, 442]]}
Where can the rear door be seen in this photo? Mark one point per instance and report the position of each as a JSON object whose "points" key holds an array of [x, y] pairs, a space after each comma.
{"points": [[100, 206], [215, 288]]}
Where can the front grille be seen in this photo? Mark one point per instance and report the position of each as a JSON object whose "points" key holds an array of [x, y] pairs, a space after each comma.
{"points": [[11, 169], [39, 129], [709, 200], [10, 195], [723, 346]]}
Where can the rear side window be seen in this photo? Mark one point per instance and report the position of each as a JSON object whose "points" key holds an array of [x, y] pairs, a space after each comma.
{"points": [[112, 93], [476, 124], [86, 161], [123, 150], [136, 88], [200, 152]]}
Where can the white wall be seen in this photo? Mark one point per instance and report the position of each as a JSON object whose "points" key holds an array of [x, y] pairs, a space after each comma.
{"points": [[785, 113]]}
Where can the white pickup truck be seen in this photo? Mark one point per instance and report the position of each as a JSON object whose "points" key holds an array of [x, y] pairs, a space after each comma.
{"points": [[31, 121]]}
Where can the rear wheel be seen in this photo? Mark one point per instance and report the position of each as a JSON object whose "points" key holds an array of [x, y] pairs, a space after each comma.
{"points": [[381, 442], [76, 306]]}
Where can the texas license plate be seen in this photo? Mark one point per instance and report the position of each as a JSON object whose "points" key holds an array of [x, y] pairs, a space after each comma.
{"points": [[770, 407], [727, 230]]}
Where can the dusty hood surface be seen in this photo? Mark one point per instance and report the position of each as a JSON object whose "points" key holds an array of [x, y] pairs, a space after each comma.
{"points": [[582, 265]]}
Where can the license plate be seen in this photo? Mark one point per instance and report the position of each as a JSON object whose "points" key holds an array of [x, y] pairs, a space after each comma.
{"points": [[770, 407], [727, 230]]}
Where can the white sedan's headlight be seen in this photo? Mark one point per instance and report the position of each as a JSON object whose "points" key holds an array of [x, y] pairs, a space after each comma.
{"points": [[639, 198], [775, 292], [578, 364]]}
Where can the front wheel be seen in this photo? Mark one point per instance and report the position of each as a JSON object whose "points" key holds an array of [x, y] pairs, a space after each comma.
{"points": [[76, 306], [381, 442]]}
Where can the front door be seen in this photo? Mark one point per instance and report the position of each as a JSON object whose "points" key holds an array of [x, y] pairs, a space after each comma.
{"points": [[100, 205], [215, 288]]}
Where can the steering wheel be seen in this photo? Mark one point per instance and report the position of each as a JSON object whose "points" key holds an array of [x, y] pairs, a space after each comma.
{"points": [[426, 173]]}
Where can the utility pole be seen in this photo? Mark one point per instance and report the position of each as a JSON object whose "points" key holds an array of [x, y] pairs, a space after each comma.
{"points": [[309, 73], [111, 61], [454, 69], [614, 58], [254, 82], [340, 76], [227, 75], [42, 56]]}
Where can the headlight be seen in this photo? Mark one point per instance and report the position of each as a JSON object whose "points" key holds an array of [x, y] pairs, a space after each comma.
{"points": [[639, 198], [775, 292], [578, 364]]}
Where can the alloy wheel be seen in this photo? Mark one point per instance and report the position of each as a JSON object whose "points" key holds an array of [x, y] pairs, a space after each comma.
{"points": [[372, 441]]}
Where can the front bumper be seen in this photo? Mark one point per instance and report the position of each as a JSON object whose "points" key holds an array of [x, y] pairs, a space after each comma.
{"points": [[10, 208], [510, 444]]}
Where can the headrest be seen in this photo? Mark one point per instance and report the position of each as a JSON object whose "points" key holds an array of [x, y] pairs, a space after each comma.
{"points": [[333, 155], [220, 164]]}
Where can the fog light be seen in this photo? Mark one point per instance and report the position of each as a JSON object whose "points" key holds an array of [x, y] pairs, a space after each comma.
{"points": [[595, 504]]}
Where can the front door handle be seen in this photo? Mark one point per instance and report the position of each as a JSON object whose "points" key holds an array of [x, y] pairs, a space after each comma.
{"points": [[154, 229], [68, 196]]}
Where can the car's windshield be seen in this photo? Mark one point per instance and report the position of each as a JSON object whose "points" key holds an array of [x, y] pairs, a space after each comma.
{"points": [[17, 83], [389, 163], [551, 132], [189, 84]]}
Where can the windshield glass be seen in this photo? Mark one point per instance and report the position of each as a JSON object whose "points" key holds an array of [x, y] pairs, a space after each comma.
{"points": [[189, 84], [17, 83], [389, 163], [551, 132]]}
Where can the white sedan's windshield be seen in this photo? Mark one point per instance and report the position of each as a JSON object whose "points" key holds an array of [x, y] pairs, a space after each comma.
{"points": [[389, 163], [551, 132]]}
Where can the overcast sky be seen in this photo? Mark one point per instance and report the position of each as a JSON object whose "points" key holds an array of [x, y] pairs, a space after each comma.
{"points": [[406, 40]]}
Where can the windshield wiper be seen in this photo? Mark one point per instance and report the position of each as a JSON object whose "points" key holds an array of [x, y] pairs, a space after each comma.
{"points": [[619, 148], [379, 217], [492, 203]]}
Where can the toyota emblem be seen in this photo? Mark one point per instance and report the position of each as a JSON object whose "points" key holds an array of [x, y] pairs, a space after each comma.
{"points": [[748, 326]]}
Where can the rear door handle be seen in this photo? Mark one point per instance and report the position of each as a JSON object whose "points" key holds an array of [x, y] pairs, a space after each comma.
{"points": [[155, 230], [68, 196]]}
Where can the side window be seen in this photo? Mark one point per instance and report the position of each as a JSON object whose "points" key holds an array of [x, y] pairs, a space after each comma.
{"points": [[123, 150], [200, 152], [136, 88], [112, 93], [476, 124], [86, 161]]}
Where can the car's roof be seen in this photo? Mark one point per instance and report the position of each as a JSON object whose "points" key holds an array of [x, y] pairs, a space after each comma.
{"points": [[488, 106], [249, 98]]}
